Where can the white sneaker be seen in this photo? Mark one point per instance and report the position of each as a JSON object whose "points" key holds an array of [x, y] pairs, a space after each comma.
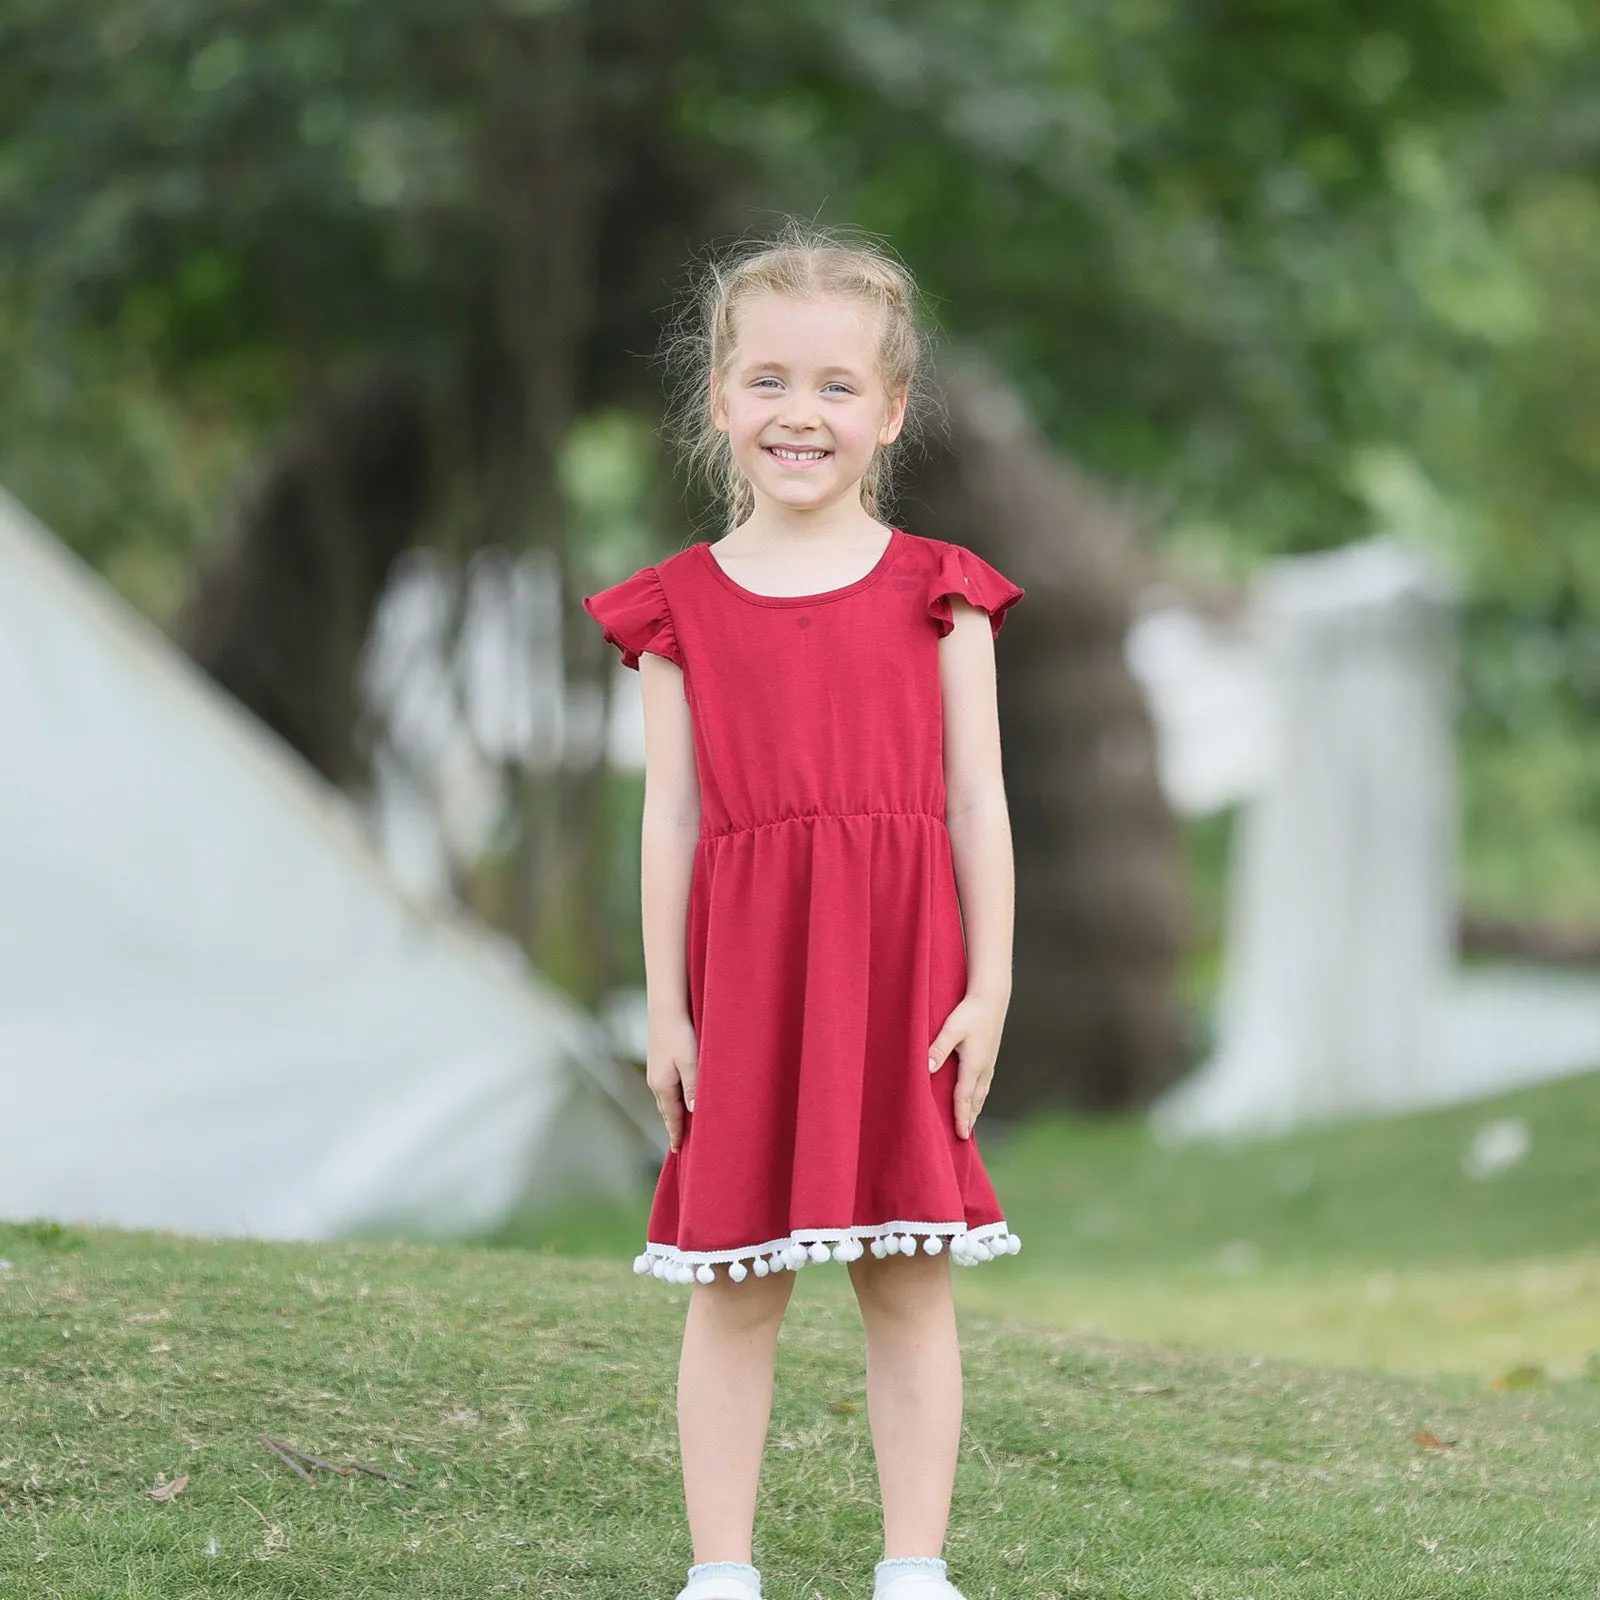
{"points": [[917, 1586], [720, 1589]]}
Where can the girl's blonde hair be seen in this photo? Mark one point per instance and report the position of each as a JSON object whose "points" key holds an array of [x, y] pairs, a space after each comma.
{"points": [[800, 262]]}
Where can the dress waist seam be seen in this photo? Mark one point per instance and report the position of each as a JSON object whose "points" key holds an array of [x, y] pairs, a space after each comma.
{"points": [[818, 816]]}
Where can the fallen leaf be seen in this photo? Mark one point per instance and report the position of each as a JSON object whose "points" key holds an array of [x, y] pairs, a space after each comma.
{"points": [[169, 1491], [1424, 1440], [1518, 1378]]}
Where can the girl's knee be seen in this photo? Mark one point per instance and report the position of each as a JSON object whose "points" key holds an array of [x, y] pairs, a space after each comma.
{"points": [[901, 1286], [754, 1303]]}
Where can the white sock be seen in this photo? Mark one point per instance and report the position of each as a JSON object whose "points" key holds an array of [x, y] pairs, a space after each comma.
{"points": [[727, 1569], [907, 1567]]}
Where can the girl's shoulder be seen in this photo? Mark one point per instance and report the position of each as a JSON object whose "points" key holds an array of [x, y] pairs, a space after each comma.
{"points": [[953, 570], [636, 616], [680, 561]]}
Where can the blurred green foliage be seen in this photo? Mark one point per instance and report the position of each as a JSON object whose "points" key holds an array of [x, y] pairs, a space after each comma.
{"points": [[1295, 271]]}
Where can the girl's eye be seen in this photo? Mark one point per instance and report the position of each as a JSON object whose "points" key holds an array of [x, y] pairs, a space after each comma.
{"points": [[843, 388], [764, 383]]}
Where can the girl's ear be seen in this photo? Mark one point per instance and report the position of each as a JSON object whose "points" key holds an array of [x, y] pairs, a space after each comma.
{"points": [[895, 420], [719, 406]]}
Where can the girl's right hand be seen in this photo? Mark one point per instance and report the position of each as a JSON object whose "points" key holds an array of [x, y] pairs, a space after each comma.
{"points": [[670, 1070]]}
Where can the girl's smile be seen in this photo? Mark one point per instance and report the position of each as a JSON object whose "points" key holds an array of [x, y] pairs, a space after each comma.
{"points": [[790, 456]]}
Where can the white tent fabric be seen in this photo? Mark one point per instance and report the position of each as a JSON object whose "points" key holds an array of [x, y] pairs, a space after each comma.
{"points": [[217, 1013], [1340, 995]]}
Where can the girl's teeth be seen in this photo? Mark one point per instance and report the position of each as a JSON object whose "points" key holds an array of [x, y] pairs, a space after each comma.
{"points": [[797, 455]]}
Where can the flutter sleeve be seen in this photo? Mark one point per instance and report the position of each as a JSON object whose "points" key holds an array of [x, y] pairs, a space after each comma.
{"points": [[960, 572], [635, 618]]}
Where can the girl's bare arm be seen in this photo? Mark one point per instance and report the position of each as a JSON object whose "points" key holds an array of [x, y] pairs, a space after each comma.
{"points": [[671, 828], [980, 840]]}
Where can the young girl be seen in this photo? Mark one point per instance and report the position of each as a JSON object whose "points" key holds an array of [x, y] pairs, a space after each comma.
{"points": [[827, 895]]}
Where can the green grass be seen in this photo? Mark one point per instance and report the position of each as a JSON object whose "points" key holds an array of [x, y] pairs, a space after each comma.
{"points": [[1365, 1244], [1381, 1193], [530, 1399]]}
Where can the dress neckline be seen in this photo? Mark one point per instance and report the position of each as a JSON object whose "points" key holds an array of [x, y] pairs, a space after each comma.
{"points": [[878, 569]]}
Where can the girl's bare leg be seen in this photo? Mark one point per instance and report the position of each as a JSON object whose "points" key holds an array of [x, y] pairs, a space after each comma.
{"points": [[724, 1405], [913, 1394]]}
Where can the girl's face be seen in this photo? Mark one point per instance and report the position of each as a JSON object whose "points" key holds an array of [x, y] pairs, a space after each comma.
{"points": [[802, 401]]}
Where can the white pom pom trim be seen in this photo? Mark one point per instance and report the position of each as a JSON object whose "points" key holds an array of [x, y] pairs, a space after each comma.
{"points": [[967, 1247]]}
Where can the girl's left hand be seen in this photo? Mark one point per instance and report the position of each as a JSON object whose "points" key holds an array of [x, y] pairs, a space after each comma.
{"points": [[974, 1029]]}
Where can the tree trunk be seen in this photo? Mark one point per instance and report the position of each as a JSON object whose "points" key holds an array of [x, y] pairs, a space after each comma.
{"points": [[1096, 1020], [539, 174], [280, 609]]}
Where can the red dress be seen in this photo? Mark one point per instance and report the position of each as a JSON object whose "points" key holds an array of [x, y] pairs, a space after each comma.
{"points": [[825, 944]]}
